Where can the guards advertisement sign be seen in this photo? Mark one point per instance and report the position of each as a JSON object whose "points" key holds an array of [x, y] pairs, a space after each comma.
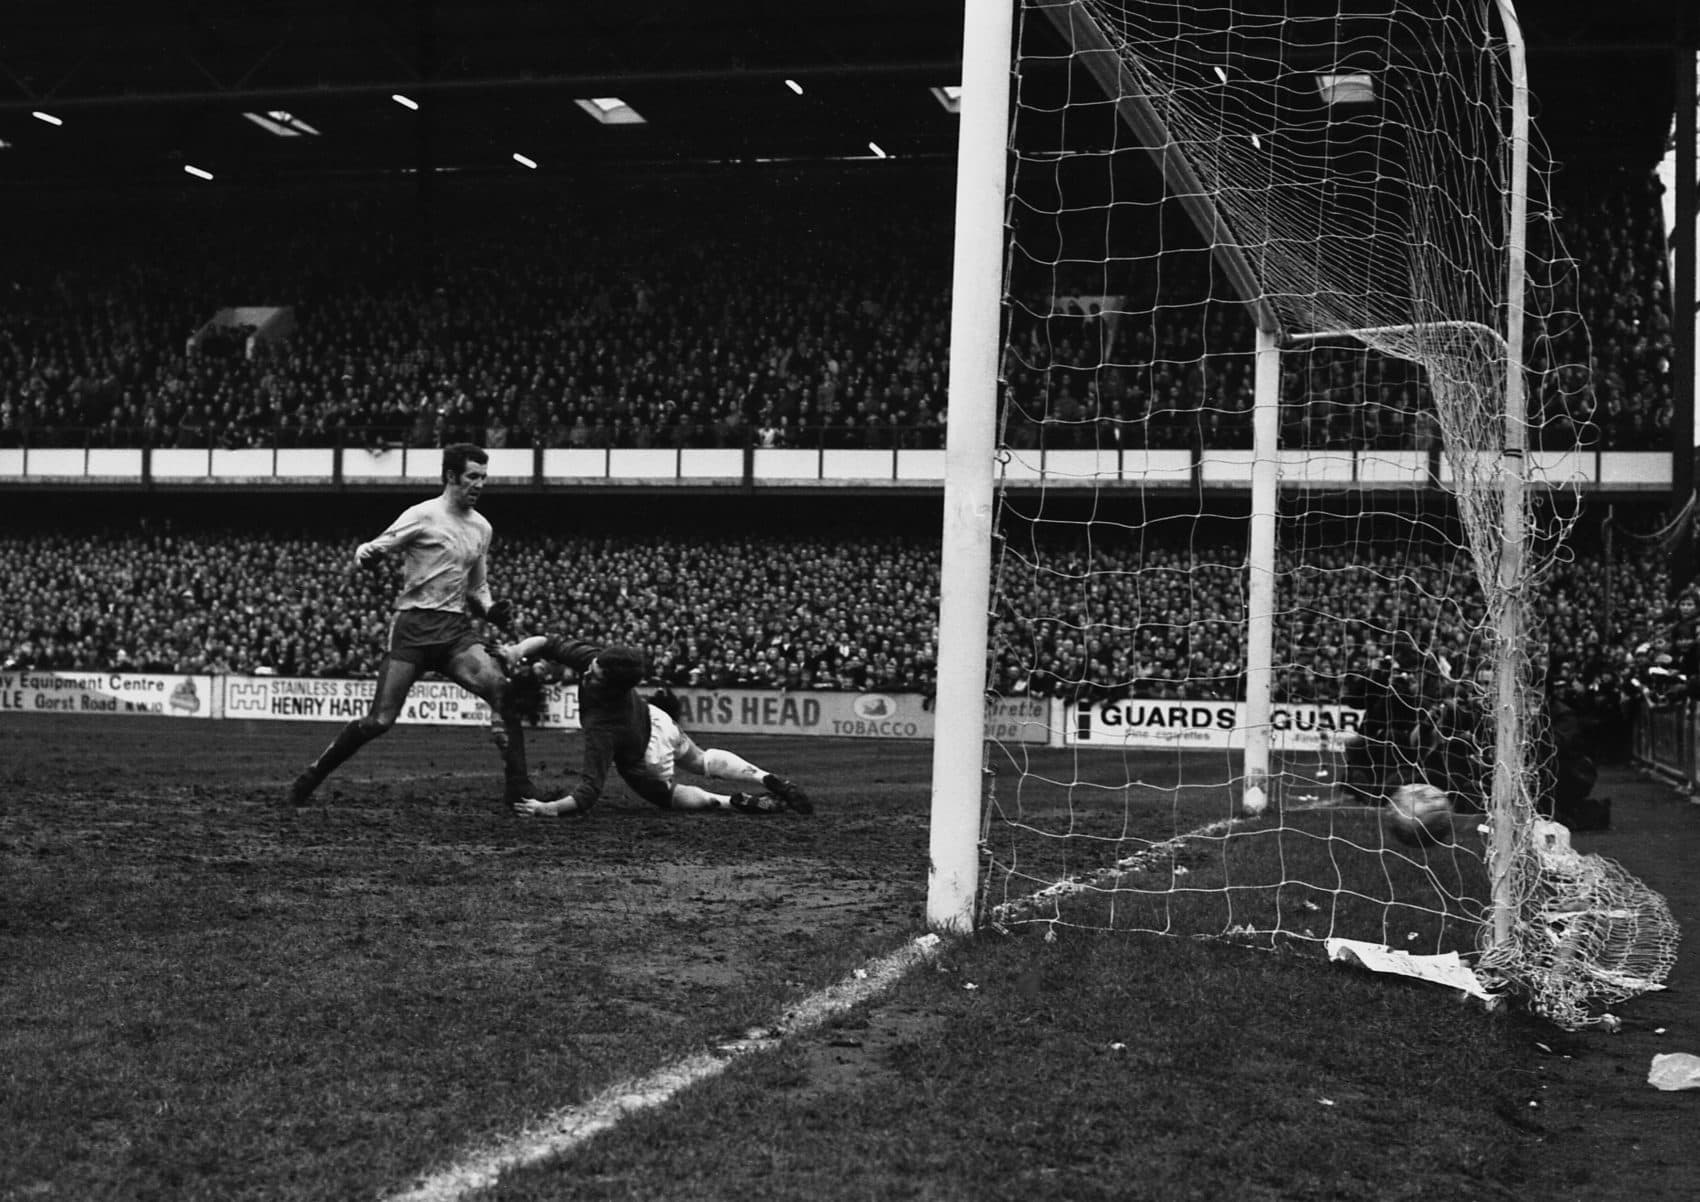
{"points": [[1208, 725]]}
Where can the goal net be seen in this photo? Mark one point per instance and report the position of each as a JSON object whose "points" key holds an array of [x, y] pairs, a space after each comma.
{"points": [[1272, 513]]}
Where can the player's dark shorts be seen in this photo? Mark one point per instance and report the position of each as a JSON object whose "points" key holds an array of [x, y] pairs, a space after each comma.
{"points": [[431, 637], [647, 784]]}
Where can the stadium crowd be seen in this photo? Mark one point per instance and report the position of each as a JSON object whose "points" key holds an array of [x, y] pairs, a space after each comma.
{"points": [[825, 323], [828, 611], [666, 317]]}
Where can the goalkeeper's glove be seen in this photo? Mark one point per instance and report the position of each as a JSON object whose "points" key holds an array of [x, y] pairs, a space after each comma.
{"points": [[525, 696], [500, 614]]}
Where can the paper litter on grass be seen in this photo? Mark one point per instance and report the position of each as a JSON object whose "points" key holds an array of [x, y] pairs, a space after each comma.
{"points": [[1675, 1070], [1447, 969]]}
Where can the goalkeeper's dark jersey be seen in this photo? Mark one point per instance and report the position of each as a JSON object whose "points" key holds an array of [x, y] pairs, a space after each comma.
{"points": [[614, 718], [617, 709]]}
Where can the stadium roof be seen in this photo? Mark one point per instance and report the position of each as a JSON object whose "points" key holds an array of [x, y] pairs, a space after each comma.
{"points": [[278, 88]]}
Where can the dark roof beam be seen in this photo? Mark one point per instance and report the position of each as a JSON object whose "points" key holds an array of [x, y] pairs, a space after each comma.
{"points": [[597, 84]]}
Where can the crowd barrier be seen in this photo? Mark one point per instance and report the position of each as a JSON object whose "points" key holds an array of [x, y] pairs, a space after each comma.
{"points": [[180, 467], [1666, 742], [1151, 723]]}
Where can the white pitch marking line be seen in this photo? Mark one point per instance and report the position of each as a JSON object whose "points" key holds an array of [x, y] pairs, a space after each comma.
{"points": [[1133, 863], [565, 1130], [1121, 868]]}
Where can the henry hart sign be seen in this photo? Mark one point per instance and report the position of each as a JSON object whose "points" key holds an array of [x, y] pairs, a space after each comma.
{"points": [[735, 711]]}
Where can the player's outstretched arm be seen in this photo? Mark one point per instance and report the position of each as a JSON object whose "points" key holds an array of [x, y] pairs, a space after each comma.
{"points": [[576, 654], [532, 807], [512, 655], [400, 533], [593, 775]]}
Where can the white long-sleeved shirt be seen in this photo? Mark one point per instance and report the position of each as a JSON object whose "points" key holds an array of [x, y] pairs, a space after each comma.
{"points": [[443, 555]]}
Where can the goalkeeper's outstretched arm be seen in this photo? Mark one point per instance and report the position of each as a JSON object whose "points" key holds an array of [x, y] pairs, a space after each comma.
{"points": [[576, 654], [513, 655]]}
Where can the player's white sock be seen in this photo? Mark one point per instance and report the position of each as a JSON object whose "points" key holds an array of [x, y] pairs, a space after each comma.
{"points": [[692, 797], [726, 765]]}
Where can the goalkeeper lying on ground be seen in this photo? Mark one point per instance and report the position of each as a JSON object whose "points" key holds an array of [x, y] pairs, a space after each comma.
{"points": [[639, 739]]}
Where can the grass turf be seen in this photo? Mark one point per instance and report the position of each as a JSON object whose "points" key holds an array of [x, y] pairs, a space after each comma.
{"points": [[209, 997]]}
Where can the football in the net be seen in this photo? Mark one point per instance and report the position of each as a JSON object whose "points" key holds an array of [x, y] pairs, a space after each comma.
{"points": [[1420, 815]]}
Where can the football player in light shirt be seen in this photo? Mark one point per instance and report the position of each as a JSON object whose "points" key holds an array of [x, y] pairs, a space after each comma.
{"points": [[442, 544], [641, 740]]}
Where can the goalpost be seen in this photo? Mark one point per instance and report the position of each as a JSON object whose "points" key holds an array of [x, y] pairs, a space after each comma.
{"points": [[966, 550], [1241, 468]]}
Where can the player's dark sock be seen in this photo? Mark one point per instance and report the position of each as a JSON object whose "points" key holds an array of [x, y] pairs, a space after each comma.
{"points": [[302, 788], [349, 739], [510, 740]]}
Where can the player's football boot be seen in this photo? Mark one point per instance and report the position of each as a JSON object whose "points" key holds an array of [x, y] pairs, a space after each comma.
{"points": [[301, 791], [790, 792], [757, 803]]}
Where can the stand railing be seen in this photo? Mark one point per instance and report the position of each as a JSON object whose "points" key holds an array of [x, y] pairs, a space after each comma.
{"points": [[1666, 742]]}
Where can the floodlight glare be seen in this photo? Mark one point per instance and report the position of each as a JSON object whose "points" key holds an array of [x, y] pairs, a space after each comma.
{"points": [[1339, 87], [281, 124], [610, 110]]}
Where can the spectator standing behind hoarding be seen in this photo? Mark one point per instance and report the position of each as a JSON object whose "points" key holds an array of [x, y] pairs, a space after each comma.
{"points": [[1685, 639], [640, 741], [444, 543]]}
